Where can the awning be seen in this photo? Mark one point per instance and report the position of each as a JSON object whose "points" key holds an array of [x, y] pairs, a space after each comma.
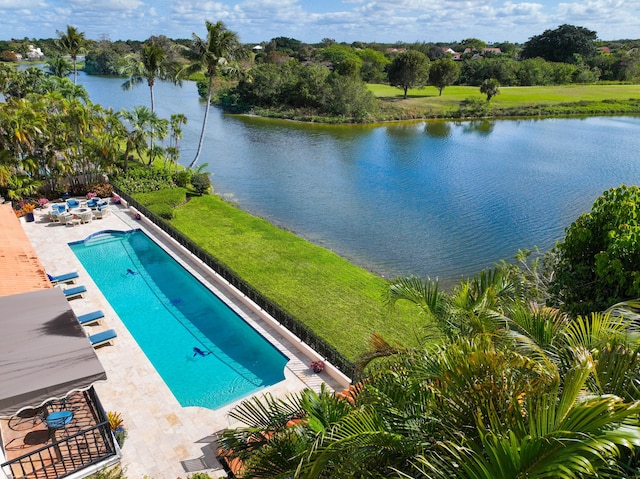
{"points": [[44, 351]]}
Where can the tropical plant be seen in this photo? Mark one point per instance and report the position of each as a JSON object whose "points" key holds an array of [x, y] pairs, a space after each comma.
{"points": [[58, 66], [152, 62], [73, 43], [220, 47]]}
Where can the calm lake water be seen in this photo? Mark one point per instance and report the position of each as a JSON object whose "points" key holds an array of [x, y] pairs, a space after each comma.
{"points": [[439, 199]]}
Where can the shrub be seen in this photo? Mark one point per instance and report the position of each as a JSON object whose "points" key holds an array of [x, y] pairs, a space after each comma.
{"points": [[102, 190], [142, 179], [201, 183], [115, 472], [598, 262], [182, 178]]}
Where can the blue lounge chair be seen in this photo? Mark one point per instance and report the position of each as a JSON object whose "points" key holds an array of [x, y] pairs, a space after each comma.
{"points": [[67, 278], [93, 317], [104, 337], [73, 293]]}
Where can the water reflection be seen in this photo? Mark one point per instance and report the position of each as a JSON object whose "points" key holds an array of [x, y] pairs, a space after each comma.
{"points": [[438, 129], [481, 127], [391, 197]]}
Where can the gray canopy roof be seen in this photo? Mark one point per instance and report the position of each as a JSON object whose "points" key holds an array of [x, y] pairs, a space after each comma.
{"points": [[44, 352]]}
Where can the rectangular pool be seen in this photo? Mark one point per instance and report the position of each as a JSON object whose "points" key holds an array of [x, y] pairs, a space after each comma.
{"points": [[170, 313]]}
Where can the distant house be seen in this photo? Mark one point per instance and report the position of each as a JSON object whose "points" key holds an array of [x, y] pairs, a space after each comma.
{"points": [[34, 53], [496, 51], [396, 50], [452, 53], [257, 48], [605, 50]]}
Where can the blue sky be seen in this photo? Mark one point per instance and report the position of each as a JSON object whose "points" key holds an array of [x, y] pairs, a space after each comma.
{"points": [[312, 20]]}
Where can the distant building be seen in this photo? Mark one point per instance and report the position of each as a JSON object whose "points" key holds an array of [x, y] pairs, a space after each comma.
{"points": [[34, 53]]}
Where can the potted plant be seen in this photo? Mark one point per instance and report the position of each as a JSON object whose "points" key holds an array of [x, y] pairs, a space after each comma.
{"points": [[116, 423], [317, 366], [115, 199], [91, 194], [27, 209], [43, 202]]}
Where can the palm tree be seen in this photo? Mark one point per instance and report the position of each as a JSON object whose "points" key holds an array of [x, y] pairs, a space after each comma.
{"points": [[219, 48], [72, 42], [175, 126], [59, 67], [153, 63]]}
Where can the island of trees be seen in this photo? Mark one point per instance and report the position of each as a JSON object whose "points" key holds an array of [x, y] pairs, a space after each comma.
{"points": [[530, 369]]}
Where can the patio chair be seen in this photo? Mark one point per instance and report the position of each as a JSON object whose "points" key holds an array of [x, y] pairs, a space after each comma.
{"points": [[68, 278], [60, 207], [73, 203], [101, 212], [54, 215], [73, 293], [58, 420], [102, 338], [86, 216], [93, 317]]}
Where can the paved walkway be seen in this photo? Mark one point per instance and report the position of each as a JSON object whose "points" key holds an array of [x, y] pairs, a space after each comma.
{"points": [[165, 440]]}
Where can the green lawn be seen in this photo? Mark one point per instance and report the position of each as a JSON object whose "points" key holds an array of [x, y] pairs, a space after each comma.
{"points": [[341, 302], [428, 99]]}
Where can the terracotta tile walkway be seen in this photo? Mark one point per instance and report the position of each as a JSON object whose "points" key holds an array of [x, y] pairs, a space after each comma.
{"points": [[165, 440]]}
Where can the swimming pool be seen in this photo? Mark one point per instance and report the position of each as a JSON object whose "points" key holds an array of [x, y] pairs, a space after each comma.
{"points": [[170, 313]]}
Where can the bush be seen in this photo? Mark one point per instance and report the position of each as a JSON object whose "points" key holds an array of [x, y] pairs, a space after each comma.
{"points": [[182, 178], [201, 182], [115, 472], [102, 190], [141, 179], [598, 263]]}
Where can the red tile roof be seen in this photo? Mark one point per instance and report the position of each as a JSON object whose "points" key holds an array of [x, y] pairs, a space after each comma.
{"points": [[20, 267]]}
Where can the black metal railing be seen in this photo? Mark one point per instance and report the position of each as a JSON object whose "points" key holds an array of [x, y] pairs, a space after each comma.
{"points": [[75, 452], [306, 334]]}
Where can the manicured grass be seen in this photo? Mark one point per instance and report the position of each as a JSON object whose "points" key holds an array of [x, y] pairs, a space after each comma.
{"points": [[427, 99], [341, 302]]}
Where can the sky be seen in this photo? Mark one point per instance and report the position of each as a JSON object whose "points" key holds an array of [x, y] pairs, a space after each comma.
{"points": [[382, 21]]}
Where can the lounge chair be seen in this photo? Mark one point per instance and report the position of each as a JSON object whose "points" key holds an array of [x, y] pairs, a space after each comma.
{"points": [[68, 278], [102, 338], [93, 317], [73, 293]]}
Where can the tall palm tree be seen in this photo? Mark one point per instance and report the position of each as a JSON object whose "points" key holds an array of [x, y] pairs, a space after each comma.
{"points": [[72, 42], [153, 63], [219, 48]]}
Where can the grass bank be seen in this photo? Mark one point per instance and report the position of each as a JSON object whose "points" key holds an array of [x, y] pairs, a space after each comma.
{"points": [[340, 301], [512, 101]]}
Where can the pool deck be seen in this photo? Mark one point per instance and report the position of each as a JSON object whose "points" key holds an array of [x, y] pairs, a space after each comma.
{"points": [[165, 440]]}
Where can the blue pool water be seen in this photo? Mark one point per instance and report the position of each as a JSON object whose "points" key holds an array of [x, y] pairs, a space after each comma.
{"points": [[169, 313]]}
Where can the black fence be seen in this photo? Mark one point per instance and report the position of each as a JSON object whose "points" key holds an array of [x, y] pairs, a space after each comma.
{"points": [[70, 454], [302, 331]]}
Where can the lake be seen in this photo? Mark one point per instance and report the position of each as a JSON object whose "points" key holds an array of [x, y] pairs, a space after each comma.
{"points": [[439, 199]]}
